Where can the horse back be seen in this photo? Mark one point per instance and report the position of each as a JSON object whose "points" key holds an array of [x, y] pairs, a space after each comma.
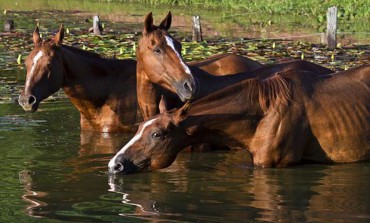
{"points": [[339, 114], [224, 64]]}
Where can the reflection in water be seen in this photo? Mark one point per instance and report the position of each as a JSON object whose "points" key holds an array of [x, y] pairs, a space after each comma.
{"points": [[30, 196], [204, 187], [96, 147], [146, 208], [226, 189], [342, 192]]}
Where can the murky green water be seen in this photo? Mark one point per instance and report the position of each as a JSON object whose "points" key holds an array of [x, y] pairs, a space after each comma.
{"points": [[51, 172]]}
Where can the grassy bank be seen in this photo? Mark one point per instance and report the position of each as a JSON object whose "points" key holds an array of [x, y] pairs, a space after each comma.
{"points": [[348, 9]]}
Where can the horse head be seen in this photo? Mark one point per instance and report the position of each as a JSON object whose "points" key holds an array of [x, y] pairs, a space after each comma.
{"points": [[44, 71], [155, 145], [159, 56]]}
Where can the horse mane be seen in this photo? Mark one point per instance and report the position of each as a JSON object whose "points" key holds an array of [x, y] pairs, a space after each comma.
{"points": [[83, 52], [270, 92], [273, 91]]}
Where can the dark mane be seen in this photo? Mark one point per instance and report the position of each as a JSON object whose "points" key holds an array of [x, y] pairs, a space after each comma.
{"points": [[271, 92], [75, 50], [83, 52]]}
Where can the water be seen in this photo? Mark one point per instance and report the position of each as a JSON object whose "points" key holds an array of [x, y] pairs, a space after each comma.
{"points": [[53, 173]]}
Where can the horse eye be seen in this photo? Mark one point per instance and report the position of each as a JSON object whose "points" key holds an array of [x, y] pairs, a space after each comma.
{"points": [[157, 135], [157, 51]]}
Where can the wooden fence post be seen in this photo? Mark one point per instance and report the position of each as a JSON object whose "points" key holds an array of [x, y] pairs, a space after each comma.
{"points": [[97, 28], [8, 25], [331, 30], [197, 29]]}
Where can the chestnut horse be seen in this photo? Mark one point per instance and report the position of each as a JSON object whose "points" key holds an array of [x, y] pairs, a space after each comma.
{"points": [[280, 120], [162, 71], [103, 90]]}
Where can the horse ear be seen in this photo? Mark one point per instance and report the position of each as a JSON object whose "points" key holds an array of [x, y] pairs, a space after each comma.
{"points": [[148, 23], [162, 105], [36, 36], [58, 38], [166, 23], [181, 113]]}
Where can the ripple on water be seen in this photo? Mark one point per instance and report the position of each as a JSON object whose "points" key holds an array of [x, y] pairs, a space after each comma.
{"points": [[16, 122]]}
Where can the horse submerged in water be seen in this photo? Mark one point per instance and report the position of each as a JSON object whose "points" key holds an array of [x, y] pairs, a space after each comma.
{"points": [[161, 70], [280, 120], [103, 90]]}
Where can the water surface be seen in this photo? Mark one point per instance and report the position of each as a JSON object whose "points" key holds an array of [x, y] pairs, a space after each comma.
{"points": [[53, 173]]}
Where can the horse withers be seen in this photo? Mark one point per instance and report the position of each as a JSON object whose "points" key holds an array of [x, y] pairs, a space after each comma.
{"points": [[280, 120]]}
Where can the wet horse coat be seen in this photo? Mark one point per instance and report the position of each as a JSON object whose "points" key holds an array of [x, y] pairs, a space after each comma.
{"points": [[281, 120]]}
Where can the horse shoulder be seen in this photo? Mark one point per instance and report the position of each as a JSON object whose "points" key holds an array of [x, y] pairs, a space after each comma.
{"points": [[281, 136]]}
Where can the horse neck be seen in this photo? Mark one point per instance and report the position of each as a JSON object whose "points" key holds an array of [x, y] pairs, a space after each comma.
{"points": [[208, 83], [96, 85], [93, 75], [237, 105], [80, 65]]}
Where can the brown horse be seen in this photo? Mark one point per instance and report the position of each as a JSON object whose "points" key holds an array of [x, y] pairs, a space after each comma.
{"points": [[162, 71], [281, 120], [103, 90]]}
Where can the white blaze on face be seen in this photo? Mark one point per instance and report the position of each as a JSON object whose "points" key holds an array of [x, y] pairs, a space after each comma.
{"points": [[35, 59], [138, 135], [170, 43]]}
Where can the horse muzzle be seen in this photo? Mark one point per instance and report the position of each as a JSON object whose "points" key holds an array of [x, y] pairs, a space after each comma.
{"points": [[185, 89], [28, 102], [122, 167]]}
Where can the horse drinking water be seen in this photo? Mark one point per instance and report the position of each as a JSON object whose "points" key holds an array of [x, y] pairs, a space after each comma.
{"points": [[280, 120]]}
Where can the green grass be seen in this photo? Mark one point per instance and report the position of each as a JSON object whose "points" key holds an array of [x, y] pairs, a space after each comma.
{"points": [[347, 8]]}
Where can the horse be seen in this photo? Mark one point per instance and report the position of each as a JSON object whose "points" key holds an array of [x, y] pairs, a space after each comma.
{"points": [[161, 70], [103, 90], [280, 120]]}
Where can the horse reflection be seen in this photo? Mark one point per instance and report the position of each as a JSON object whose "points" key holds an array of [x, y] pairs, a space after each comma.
{"points": [[229, 189], [214, 186]]}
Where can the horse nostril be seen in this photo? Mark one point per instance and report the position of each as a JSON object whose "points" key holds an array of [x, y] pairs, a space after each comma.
{"points": [[187, 86], [118, 167], [32, 100]]}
